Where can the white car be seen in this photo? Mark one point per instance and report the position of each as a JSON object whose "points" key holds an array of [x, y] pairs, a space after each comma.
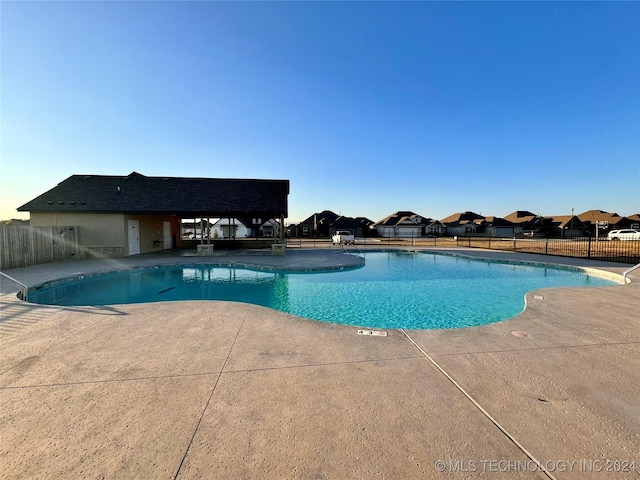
{"points": [[627, 234], [343, 238]]}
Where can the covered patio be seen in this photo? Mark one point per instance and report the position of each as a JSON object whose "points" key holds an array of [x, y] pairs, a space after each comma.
{"points": [[119, 216]]}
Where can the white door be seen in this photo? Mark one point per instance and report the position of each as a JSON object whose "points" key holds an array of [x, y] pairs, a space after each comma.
{"points": [[134, 237], [166, 235]]}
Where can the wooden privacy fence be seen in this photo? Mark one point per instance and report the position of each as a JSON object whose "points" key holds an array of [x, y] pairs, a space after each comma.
{"points": [[22, 246]]}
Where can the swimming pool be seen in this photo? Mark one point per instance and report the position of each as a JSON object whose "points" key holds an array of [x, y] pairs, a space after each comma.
{"points": [[421, 290]]}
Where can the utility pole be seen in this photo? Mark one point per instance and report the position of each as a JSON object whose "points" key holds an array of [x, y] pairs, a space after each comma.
{"points": [[571, 228]]}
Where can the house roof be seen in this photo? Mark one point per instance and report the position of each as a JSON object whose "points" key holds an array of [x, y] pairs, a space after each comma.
{"points": [[403, 217], [462, 218], [318, 217], [348, 222], [520, 216], [364, 221], [594, 216], [563, 221], [136, 193], [498, 222]]}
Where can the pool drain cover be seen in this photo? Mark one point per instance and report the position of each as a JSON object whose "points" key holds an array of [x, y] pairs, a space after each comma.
{"points": [[375, 333]]}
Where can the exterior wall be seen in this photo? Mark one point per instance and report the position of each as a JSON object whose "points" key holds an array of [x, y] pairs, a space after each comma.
{"points": [[269, 229], [106, 234], [436, 230], [500, 231], [567, 232], [409, 231], [384, 231], [399, 231], [461, 229], [99, 234], [151, 233]]}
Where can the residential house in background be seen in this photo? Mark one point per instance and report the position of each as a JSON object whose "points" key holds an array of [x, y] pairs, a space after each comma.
{"points": [[500, 227], [269, 229], [564, 226], [606, 221], [326, 223], [525, 221], [408, 224], [317, 225], [436, 228], [403, 224], [635, 221], [463, 223], [230, 228], [358, 226]]}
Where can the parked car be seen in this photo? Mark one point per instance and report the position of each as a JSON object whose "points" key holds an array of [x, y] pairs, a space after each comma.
{"points": [[627, 234], [532, 234], [343, 238]]}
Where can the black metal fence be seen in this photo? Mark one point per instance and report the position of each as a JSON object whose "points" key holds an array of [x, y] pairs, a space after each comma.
{"points": [[578, 247]]}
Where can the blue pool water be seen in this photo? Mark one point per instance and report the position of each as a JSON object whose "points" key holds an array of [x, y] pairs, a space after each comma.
{"points": [[392, 290]]}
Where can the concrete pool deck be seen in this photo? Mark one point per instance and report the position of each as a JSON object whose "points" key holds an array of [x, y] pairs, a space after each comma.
{"points": [[229, 390]]}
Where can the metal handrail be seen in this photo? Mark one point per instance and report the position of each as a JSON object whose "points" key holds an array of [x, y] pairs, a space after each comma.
{"points": [[25, 289], [346, 250], [629, 270]]}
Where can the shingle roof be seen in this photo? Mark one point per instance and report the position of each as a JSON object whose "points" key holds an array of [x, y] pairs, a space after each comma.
{"points": [[565, 220], [520, 216], [136, 193], [401, 217], [349, 222], [498, 222], [463, 217], [327, 215], [594, 216]]}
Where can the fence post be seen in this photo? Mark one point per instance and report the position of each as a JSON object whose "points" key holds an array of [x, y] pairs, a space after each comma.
{"points": [[489, 239], [515, 249], [546, 246], [589, 248]]}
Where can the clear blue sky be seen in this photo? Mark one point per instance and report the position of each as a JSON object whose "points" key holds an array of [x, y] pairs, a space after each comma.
{"points": [[366, 107]]}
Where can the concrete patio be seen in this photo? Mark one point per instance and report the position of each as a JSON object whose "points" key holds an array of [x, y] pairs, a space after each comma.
{"points": [[229, 390]]}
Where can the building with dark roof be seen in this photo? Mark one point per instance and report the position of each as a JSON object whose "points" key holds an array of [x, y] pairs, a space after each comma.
{"points": [[326, 223], [499, 227], [463, 223], [119, 216], [526, 221], [564, 226], [404, 224], [603, 221]]}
